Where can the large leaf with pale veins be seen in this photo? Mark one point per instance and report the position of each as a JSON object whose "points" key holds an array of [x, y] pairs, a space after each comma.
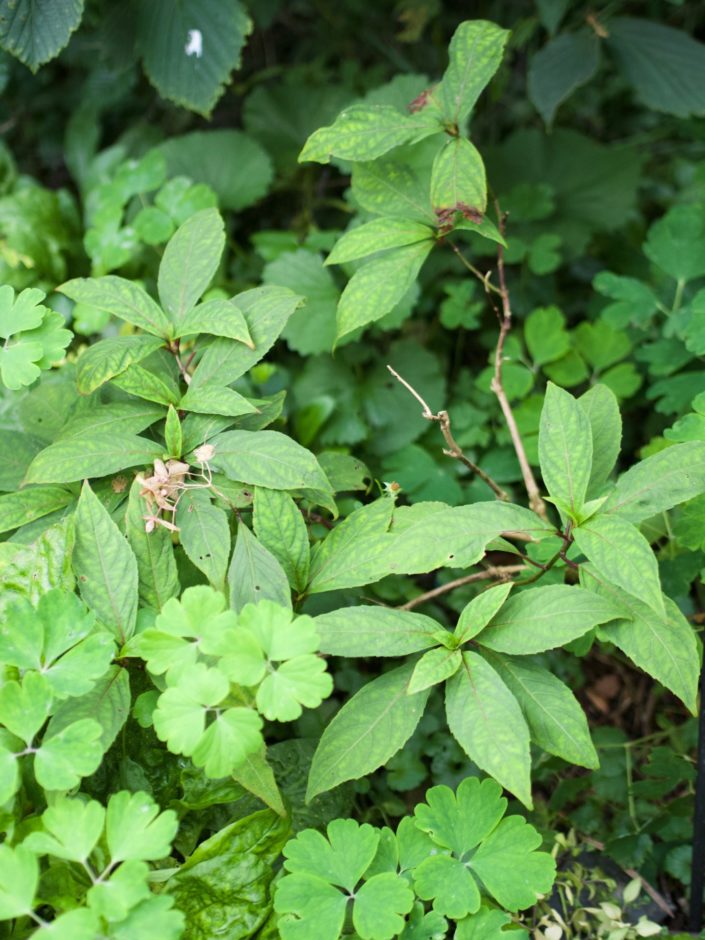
{"points": [[99, 455], [37, 30]]}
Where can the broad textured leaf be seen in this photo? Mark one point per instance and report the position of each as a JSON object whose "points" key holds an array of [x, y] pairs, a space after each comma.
{"points": [[620, 553], [204, 534], [365, 132], [663, 645], [120, 298], [146, 384], [394, 187], [98, 456], [255, 574], [189, 263], [190, 48], [659, 482], [375, 631], [37, 30], [458, 179], [119, 417], [376, 287], [109, 357], [377, 235], [556, 720], [602, 409], [665, 66], [17, 509], [486, 720], [158, 579], [267, 458], [280, 527], [105, 566], [372, 726], [562, 65], [475, 53], [544, 618], [565, 447]]}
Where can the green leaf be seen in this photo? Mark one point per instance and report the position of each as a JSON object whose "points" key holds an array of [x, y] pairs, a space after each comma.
{"points": [[394, 187], [211, 400], [108, 702], [565, 447], [341, 859], [158, 579], [267, 458], [143, 382], [224, 886], [372, 726], [189, 263], [449, 884], [620, 553], [17, 509], [475, 616], [173, 435], [486, 720], [511, 847], [110, 357], [602, 409], [280, 527], [376, 287], [546, 336], [556, 721], [458, 178], [365, 132], [71, 829], [37, 30], [218, 318], [488, 924], [665, 66], [204, 534], [634, 302], [257, 777], [120, 298], [659, 482], [124, 417], [377, 235], [135, 829], [105, 566], [24, 707], [375, 631], [19, 879], [434, 666], [675, 243], [153, 917], [68, 755], [662, 644], [380, 905], [124, 890], [302, 681], [99, 455], [544, 618], [190, 50], [562, 65], [475, 53], [255, 574]]}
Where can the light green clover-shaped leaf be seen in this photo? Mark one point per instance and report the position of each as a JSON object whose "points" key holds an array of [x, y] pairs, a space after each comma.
{"points": [[448, 883], [341, 859], [24, 707], [53, 338], [72, 753], [125, 889], [136, 830], [279, 637], [380, 905], [488, 924], [422, 926], [19, 875], [459, 821], [33, 337], [24, 312], [180, 715], [9, 772], [71, 830], [228, 740], [198, 622], [154, 917], [303, 681], [79, 924]]}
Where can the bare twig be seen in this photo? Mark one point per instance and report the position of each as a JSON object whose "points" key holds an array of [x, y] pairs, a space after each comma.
{"points": [[483, 278], [174, 349], [655, 896], [505, 325], [500, 573], [454, 449]]}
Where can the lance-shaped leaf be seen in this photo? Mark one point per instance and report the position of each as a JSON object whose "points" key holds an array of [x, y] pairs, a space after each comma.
{"points": [[204, 534], [556, 721], [486, 720], [255, 574], [372, 726], [475, 616], [105, 566], [213, 400], [17, 509], [120, 298], [620, 553], [602, 409], [280, 527], [125, 417], [664, 644], [659, 482], [544, 618], [189, 263], [217, 318], [143, 382], [394, 186], [158, 578], [365, 132], [378, 235], [267, 458], [378, 286], [99, 455], [376, 631], [565, 447], [458, 178], [433, 667], [475, 53], [109, 357]]}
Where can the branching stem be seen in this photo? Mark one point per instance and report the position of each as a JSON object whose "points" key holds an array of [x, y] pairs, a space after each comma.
{"points": [[499, 573]]}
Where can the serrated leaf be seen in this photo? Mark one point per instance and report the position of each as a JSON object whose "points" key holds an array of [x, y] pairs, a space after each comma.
{"points": [[602, 409], [486, 720], [565, 447], [255, 574], [109, 357], [17, 509], [142, 382], [394, 187], [154, 551], [620, 553], [377, 235], [190, 50], [204, 534], [375, 631], [267, 458], [544, 618], [189, 263], [98, 456], [212, 400], [560, 67], [458, 178], [280, 527], [120, 298], [372, 726], [37, 30], [475, 616], [433, 667], [475, 53], [124, 417], [256, 776], [217, 318]]}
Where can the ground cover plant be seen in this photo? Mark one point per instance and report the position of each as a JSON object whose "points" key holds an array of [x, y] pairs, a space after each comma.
{"points": [[352, 498]]}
